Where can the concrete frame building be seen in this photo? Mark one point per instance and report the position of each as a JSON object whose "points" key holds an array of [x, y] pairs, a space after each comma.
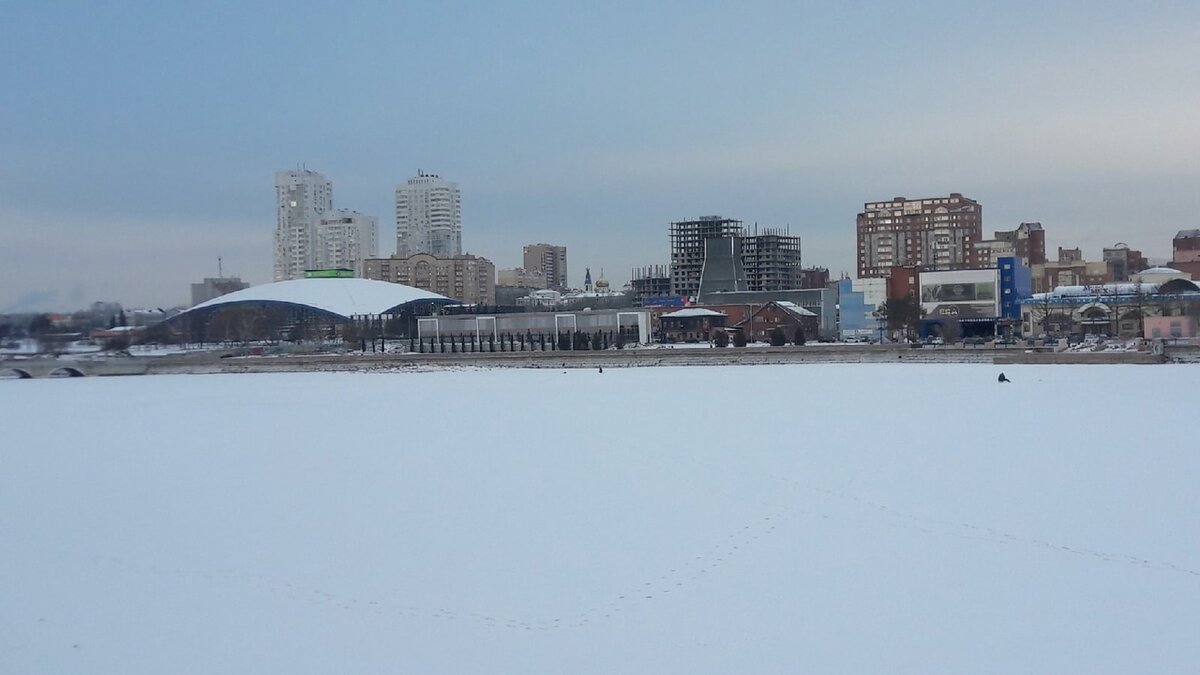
{"points": [[653, 281], [550, 260], [302, 198], [934, 234], [428, 217], [468, 279], [688, 239], [770, 261]]}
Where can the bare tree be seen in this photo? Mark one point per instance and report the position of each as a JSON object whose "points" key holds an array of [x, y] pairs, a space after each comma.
{"points": [[1141, 302], [1043, 306], [1114, 306]]}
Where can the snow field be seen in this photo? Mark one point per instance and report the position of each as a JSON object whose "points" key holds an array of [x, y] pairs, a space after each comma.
{"points": [[810, 518]]}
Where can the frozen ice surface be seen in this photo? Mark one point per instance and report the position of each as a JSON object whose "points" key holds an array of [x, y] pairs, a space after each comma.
{"points": [[782, 519]]}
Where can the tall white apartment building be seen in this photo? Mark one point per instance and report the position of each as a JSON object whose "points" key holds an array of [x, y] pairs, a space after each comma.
{"points": [[302, 198], [428, 217], [345, 238]]}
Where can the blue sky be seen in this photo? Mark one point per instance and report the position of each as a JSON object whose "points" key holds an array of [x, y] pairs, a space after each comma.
{"points": [[138, 139]]}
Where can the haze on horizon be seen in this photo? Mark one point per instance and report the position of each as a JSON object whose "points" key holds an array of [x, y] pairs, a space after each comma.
{"points": [[138, 142]]}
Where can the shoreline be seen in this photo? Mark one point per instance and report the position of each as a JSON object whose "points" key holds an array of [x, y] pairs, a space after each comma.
{"points": [[211, 362]]}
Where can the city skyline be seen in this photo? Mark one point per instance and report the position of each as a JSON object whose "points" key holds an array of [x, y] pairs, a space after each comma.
{"points": [[141, 146]]}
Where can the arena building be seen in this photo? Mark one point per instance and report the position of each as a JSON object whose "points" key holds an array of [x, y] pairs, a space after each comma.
{"points": [[301, 310]]}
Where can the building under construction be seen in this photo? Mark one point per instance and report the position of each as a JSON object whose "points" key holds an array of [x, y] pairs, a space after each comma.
{"points": [[652, 281], [764, 261], [687, 249], [772, 260]]}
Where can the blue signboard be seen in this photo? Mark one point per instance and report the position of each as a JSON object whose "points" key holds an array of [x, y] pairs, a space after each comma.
{"points": [[665, 301]]}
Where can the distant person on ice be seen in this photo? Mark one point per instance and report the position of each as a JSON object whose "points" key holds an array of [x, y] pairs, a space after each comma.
{"points": [[1002, 378]]}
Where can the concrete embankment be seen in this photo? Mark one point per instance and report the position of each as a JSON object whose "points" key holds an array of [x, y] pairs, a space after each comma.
{"points": [[200, 363], [635, 358], [630, 358]]}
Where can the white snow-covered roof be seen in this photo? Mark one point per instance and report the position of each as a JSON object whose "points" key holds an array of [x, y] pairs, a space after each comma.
{"points": [[794, 308], [1099, 290], [1160, 270], [344, 297], [692, 312]]}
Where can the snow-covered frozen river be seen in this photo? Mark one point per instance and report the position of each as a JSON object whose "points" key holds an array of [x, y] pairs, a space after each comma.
{"points": [[773, 519]]}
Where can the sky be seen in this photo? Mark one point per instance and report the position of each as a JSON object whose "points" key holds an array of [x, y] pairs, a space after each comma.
{"points": [[138, 140]]}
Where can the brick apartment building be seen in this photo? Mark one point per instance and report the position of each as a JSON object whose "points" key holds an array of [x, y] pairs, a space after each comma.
{"points": [[467, 278], [936, 233], [1027, 243]]}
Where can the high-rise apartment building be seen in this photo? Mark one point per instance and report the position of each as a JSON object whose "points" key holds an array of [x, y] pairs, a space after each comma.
{"points": [[937, 233], [345, 238], [550, 260], [302, 197], [428, 217], [466, 278]]}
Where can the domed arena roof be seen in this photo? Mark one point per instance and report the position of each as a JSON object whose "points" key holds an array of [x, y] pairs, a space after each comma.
{"points": [[339, 296]]}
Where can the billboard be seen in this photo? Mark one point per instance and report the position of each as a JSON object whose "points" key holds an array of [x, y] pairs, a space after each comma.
{"points": [[961, 294], [665, 301]]}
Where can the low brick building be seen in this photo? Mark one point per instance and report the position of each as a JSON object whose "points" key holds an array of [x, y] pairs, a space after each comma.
{"points": [[691, 324], [787, 316]]}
